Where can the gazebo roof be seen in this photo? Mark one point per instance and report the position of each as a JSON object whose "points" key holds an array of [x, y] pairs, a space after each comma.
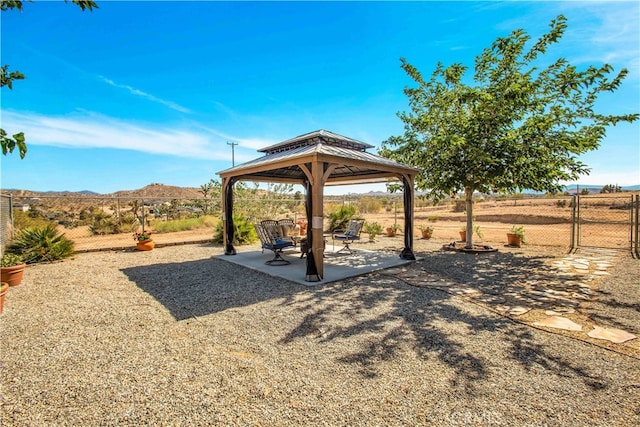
{"points": [[350, 162]]}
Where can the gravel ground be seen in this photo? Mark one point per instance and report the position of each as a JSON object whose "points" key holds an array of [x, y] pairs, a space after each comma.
{"points": [[174, 337]]}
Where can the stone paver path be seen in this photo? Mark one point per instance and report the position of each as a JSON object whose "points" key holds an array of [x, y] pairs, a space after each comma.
{"points": [[549, 298]]}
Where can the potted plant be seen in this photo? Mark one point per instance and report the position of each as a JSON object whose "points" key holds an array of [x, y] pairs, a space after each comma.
{"points": [[476, 229], [391, 231], [515, 236], [12, 269], [372, 229], [427, 231], [143, 240]]}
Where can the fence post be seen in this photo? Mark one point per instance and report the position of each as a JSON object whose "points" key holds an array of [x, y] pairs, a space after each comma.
{"points": [[636, 207], [142, 213], [572, 243]]}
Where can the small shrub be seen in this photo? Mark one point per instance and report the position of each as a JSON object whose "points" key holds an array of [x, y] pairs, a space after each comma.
{"points": [[10, 260], [561, 203], [433, 218], [339, 219], [41, 244], [244, 232], [372, 229]]}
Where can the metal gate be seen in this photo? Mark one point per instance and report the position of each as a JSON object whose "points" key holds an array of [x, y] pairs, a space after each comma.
{"points": [[605, 221]]}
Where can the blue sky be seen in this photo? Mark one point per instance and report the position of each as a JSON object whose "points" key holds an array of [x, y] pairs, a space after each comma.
{"points": [[145, 92]]}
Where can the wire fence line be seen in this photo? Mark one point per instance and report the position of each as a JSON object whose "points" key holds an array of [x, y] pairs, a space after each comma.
{"points": [[101, 222], [6, 221]]}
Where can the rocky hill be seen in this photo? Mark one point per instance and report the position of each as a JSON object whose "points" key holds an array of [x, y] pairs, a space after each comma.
{"points": [[150, 191]]}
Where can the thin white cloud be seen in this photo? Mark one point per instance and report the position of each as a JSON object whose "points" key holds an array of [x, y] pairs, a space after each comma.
{"points": [[251, 143], [148, 96], [92, 130]]}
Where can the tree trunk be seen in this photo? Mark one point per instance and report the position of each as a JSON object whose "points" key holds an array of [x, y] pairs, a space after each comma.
{"points": [[468, 192]]}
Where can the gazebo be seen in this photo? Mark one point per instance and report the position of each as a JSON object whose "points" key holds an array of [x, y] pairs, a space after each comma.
{"points": [[315, 160]]}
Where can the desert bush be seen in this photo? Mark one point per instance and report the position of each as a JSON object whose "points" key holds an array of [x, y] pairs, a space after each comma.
{"points": [[244, 232], [561, 203], [24, 220], [339, 218], [41, 244], [369, 205], [460, 206], [184, 224]]}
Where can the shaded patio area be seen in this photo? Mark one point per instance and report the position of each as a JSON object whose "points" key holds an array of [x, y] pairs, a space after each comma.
{"points": [[338, 266]]}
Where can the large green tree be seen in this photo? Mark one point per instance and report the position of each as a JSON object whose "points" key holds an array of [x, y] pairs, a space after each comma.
{"points": [[7, 77], [516, 126]]}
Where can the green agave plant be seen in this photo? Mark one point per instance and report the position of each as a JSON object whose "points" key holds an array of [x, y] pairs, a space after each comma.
{"points": [[41, 244]]}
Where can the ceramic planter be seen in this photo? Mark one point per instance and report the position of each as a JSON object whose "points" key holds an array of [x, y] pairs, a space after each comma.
{"points": [[145, 245], [513, 240], [12, 275], [427, 233]]}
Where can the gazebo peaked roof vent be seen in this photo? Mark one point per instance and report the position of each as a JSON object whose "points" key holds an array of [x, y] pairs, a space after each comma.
{"points": [[315, 138]]}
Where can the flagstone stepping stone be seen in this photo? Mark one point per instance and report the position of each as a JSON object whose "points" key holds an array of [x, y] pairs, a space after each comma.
{"points": [[490, 299], [563, 310], [518, 310], [601, 273], [617, 336], [559, 322]]}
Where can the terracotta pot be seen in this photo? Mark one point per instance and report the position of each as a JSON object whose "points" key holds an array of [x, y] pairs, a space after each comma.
{"points": [[145, 245], [3, 292], [12, 275], [463, 236], [513, 240], [391, 232], [426, 234]]}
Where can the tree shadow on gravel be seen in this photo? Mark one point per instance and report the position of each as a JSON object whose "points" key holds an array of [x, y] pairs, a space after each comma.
{"points": [[203, 287], [429, 323], [373, 318]]}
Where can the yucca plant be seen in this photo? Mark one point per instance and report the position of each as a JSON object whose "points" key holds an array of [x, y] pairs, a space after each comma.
{"points": [[41, 244]]}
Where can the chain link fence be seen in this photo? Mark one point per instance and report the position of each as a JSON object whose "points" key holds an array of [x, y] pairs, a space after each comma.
{"points": [[605, 221], [6, 221], [102, 223]]}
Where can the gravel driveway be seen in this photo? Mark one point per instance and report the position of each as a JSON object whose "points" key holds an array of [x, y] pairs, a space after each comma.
{"points": [[175, 337]]}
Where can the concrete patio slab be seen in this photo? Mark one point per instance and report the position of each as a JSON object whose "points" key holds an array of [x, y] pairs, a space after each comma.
{"points": [[336, 266]]}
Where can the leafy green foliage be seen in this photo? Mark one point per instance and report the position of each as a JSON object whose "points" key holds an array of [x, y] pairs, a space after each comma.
{"points": [[41, 244], [519, 126], [339, 218], [10, 260], [244, 232], [372, 229]]}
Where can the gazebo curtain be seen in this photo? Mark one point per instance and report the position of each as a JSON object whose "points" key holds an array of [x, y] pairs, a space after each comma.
{"points": [[229, 226], [407, 252], [312, 271]]}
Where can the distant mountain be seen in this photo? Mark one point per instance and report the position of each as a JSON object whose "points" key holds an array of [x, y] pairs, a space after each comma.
{"points": [[160, 190], [150, 191]]}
